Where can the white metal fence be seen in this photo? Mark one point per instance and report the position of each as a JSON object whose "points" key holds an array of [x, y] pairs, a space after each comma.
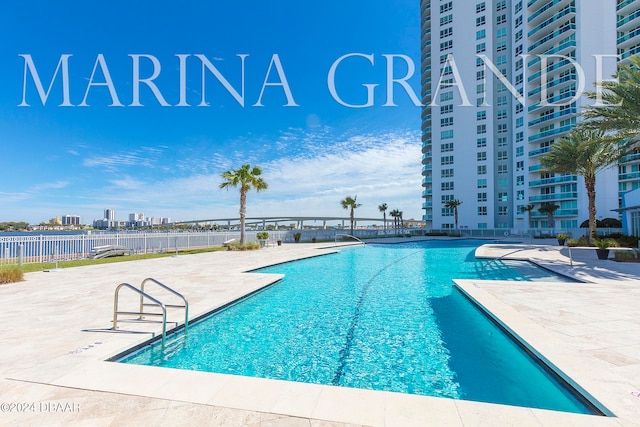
{"points": [[55, 247], [42, 248]]}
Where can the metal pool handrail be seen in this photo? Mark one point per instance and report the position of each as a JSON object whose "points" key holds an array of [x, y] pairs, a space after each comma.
{"points": [[173, 291], [141, 313], [347, 235]]}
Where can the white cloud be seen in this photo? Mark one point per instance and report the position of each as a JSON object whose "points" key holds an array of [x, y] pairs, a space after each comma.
{"points": [[378, 169], [308, 172]]}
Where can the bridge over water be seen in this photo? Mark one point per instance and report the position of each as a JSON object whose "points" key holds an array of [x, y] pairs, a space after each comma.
{"points": [[261, 222]]}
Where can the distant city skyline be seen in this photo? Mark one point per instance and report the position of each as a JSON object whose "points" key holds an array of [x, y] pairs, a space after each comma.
{"points": [[146, 119]]}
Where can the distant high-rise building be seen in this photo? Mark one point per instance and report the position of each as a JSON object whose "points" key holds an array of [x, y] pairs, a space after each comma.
{"points": [[135, 217], [110, 214], [501, 83], [70, 220]]}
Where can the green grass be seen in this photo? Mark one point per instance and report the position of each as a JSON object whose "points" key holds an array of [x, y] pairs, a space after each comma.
{"points": [[28, 268]]}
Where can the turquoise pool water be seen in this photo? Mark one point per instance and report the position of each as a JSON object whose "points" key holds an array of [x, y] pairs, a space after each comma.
{"points": [[383, 317]]}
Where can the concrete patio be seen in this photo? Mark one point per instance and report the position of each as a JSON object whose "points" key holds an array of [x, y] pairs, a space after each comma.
{"points": [[54, 333]]}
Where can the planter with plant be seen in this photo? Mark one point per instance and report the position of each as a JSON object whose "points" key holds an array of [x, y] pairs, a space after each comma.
{"points": [[602, 247], [562, 238], [296, 237], [262, 236]]}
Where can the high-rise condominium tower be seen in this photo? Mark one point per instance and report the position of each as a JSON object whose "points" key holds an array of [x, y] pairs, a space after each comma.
{"points": [[502, 80]]}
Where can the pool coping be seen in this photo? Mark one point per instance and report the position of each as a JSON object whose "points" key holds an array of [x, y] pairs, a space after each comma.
{"points": [[89, 370]]}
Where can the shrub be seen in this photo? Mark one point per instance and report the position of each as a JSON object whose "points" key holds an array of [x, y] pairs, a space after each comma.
{"points": [[624, 256], [623, 240], [573, 243], [236, 246], [582, 241], [11, 275], [262, 235]]}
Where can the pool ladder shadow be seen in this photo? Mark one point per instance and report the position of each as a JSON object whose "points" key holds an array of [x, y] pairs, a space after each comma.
{"points": [[502, 257], [153, 302]]}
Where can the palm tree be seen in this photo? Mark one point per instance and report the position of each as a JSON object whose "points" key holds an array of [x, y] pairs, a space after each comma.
{"points": [[549, 209], [453, 204], [247, 178], [621, 98], [527, 209], [350, 203], [584, 151], [395, 214], [383, 208]]}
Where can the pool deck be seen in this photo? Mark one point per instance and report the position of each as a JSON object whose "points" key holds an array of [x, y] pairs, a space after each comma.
{"points": [[55, 337]]}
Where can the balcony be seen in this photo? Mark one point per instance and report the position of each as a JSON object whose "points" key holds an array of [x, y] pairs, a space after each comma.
{"points": [[550, 102], [535, 168], [538, 152], [550, 37], [630, 158], [630, 53], [559, 196], [623, 24], [555, 180], [556, 115], [558, 213], [556, 66], [540, 13], [554, 83], [564, 12], [556, 50], [628, 176], [622, 4], [632, 37], [550, 133]]}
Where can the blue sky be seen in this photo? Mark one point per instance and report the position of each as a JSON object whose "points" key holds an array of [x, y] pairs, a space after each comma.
{"points": [[166, 161]]}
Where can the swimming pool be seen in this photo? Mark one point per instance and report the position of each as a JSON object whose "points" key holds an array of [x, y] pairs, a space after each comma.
{"points": [[382, 317]]}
